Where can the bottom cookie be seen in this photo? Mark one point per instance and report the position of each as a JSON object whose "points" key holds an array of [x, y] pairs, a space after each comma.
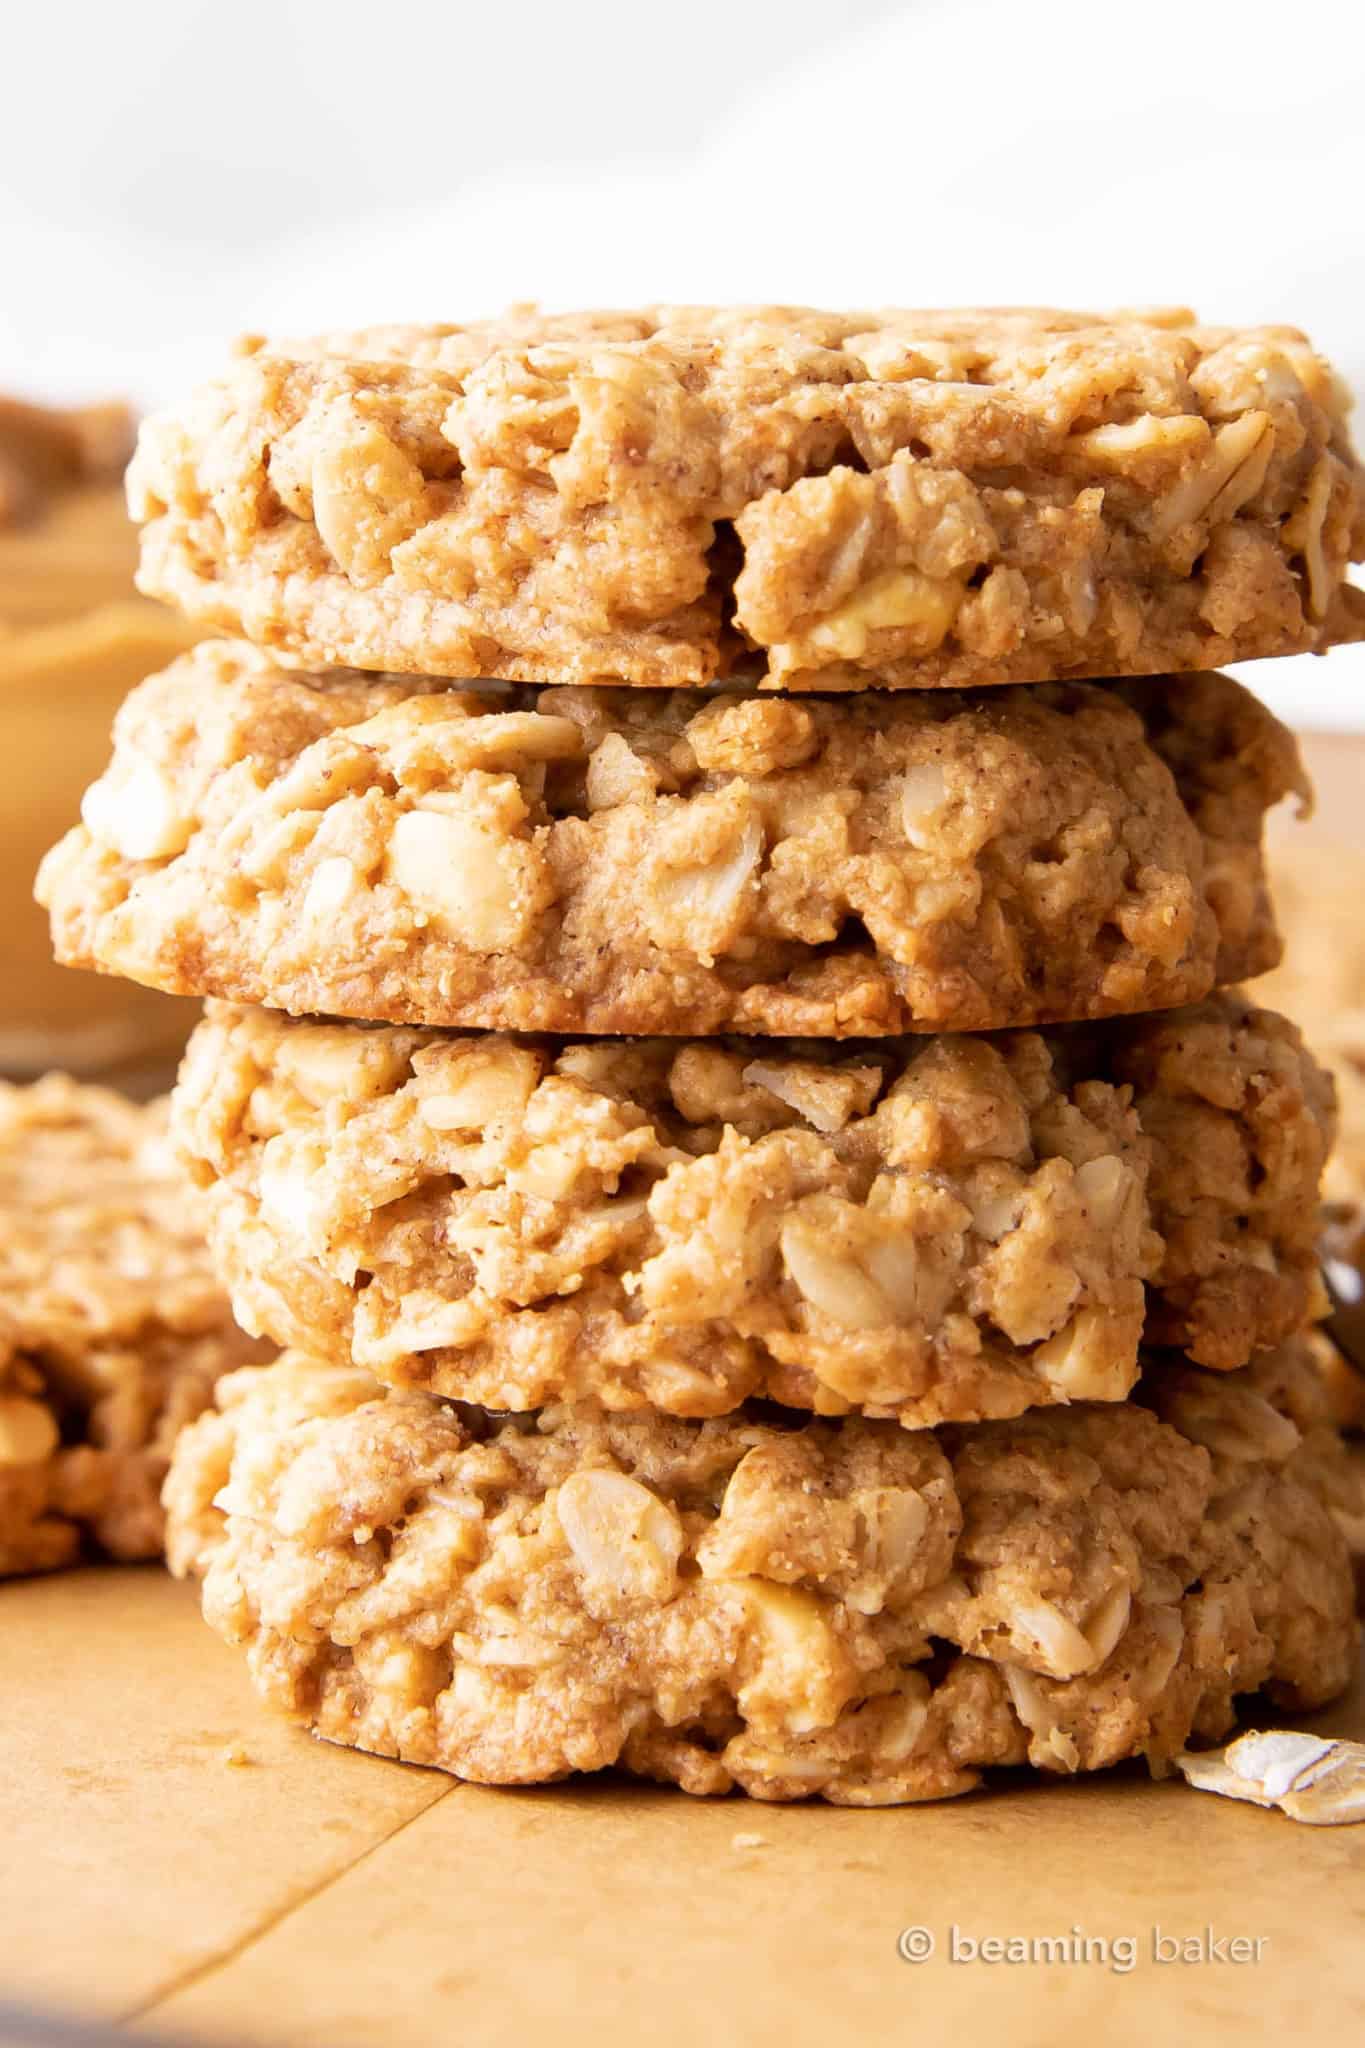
{"points": [[113, 1329], [851, 1610]]}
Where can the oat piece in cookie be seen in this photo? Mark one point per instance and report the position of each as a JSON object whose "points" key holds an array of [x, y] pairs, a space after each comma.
{"points": [[113, 1328], [618, 861], [832, 500], [934, 1230], [851, 1611]]}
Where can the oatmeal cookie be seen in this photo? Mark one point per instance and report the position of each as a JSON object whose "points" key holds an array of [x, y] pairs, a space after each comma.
{"points": [[934, 1230], [612, 861], [821, 500], [113, 1329], [850, 1611]]}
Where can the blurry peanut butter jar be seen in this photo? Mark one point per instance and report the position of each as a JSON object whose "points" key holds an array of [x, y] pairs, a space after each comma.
{"points": [[74, 638]]}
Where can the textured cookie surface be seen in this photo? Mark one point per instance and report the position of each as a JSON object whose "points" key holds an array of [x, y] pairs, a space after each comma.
{"points": [[834, 500], [853, 1611], [113, 1328], [612, 861], [937, 1229]]}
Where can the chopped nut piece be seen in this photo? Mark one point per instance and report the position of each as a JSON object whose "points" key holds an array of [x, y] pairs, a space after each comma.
{"points": [[924, 793], [367, 496], [331, 887], [920, 608], [1085, 1361], [626, 1541], [136, 813], [702, 905], [480, 888]]}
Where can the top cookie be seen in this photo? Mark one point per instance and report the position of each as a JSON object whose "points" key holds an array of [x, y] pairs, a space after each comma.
{"points": [[816, 500]]}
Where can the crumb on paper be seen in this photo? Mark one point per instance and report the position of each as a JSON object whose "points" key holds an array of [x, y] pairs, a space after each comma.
{"points": [[235, 1756], [746, 1841], [1310, 1777]]}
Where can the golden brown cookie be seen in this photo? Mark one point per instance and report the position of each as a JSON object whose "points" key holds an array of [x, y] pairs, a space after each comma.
{"points": [[618, 861], [113, 1329], [824, 500], [853, 1611], [935, 1230]]}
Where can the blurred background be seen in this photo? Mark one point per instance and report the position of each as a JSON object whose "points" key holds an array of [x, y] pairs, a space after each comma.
{"points": [[175, 172]]}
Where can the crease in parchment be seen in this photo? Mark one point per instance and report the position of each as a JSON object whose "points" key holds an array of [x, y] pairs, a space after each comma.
{"points": [[208, 1966]]}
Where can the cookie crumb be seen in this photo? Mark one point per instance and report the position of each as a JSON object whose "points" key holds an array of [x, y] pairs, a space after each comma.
{"points": [[743, 1841], [234, 1756]]}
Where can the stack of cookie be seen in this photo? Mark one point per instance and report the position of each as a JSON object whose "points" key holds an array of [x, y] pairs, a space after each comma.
{"points": [[797, 1274]]}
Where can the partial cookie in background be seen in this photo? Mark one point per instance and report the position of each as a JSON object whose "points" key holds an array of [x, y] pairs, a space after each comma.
{"points": [[618, 861], [1319, 892], [1345, 1385], [74, 638], [827, 500], [113, 1329], [60, 685], [66, 542], [855, 1612], [935, 1230]]}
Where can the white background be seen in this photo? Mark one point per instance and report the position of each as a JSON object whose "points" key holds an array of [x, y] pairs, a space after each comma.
{"points": [[174, 172]]}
